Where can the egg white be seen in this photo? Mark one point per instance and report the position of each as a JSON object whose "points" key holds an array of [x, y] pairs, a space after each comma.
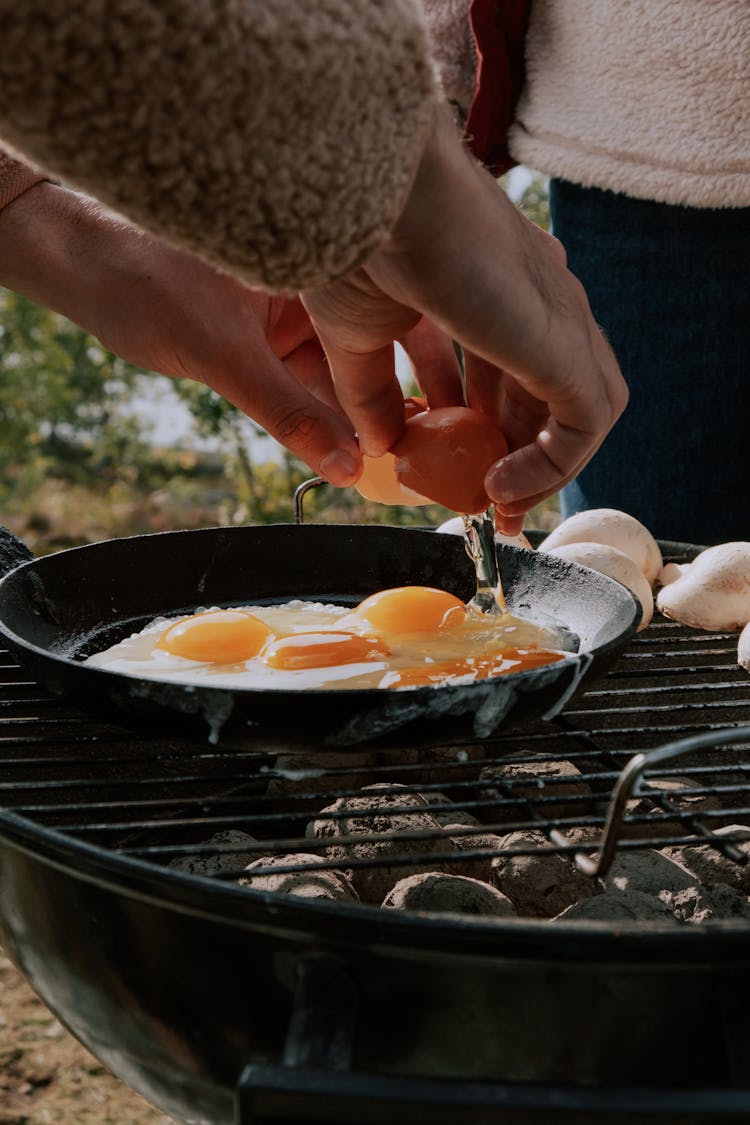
{"points": [[138, 655]]}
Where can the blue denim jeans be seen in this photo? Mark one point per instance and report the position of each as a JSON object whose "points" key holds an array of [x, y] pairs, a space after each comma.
{"points": [[670, 286]]}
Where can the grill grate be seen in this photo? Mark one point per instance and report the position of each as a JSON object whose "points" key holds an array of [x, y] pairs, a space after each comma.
{"points": [[166, 801]]}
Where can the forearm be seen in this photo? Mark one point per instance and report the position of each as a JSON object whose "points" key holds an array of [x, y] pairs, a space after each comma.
{"points": [[278, 139], [167, 311], [16, 177], [140, 297], [149, 302], [64, 251]]}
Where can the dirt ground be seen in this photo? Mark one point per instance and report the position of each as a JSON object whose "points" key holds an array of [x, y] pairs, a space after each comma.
{"points": [[47, 1077]]}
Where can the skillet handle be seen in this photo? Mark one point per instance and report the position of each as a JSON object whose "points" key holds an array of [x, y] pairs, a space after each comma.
{"points": [[13, 552]]}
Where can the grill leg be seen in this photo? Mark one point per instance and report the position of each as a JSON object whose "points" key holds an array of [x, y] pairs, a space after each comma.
{"points": [[319, 1044], [321, 1029]]}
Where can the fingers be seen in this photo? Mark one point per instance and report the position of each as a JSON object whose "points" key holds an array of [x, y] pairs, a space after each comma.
{"points": [[357, 325], [287, 323], [465, 257], [291, 337], [519, 414], [484, 385], [309, 365], [581, 413], [542, 451], [264, 389], [509, 525], [530, 474], [436, 366], [369, 393], [510, 483], [545, 452]]}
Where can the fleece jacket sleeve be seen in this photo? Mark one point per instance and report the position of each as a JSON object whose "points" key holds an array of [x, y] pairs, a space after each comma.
{"points": [[275, 138]]}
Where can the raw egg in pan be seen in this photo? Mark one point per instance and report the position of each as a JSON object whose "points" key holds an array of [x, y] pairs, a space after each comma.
{"points": [[218, 636], [401, 638]]}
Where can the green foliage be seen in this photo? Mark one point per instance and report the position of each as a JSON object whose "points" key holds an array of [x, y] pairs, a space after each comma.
{"points": [[77, 465], [60, 402], [534, 202]]}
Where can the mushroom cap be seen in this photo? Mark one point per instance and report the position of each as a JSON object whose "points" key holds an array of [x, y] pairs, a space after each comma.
{"points": [[615, 564], [453, 526], [743, 648], [670, 572], [713, 592], [614, 529]]}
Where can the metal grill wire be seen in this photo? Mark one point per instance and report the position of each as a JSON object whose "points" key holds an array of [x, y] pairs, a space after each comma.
{"points": [[167, 801]]}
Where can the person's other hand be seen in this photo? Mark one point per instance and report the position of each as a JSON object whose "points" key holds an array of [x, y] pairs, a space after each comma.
{"points": [[462, 255], [168, 312]]}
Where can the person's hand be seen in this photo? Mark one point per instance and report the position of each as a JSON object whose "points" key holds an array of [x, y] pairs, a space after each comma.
{"points": [[463, 256], [168, 312]]}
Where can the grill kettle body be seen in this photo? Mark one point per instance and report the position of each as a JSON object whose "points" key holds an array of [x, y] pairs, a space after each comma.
{"points": [[178, 984]]}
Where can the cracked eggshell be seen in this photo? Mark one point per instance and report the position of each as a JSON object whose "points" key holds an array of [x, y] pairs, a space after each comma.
{"points": [[615, 564], [714, 591], [611, 528]]}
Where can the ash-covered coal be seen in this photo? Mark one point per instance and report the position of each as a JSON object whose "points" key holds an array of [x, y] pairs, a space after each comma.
{"points": [[403, 848]]}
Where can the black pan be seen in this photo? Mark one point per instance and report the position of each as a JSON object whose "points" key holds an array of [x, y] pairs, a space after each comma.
{"points": [[62, 607]]}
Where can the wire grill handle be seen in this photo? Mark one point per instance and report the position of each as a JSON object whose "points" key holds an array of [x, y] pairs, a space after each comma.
{"points": [[629, 786], [301, 492]]}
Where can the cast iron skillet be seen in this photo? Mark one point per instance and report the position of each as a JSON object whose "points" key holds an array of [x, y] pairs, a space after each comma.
{"points": [[59, 608]]}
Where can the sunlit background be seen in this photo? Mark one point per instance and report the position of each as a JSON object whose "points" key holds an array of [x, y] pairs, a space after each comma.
{"points": [[94, 448]]}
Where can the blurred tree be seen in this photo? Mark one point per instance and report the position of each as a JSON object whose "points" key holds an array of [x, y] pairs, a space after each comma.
{"points": [[62, 394], [77, 462], [534, 200]]}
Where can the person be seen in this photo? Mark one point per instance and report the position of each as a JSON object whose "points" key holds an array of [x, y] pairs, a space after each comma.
{"points": [[285, 170], [640, 114]]}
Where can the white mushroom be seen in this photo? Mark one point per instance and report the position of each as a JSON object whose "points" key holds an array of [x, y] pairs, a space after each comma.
{"points": [[713, 592], [613, 529], [455, 526], [743, 648], [671, 572], [615, 564]]}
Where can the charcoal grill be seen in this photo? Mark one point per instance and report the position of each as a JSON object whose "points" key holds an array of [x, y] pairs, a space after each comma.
{"points": [[227, 1005]]}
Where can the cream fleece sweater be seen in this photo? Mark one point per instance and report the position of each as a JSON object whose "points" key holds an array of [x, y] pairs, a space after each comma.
{"points": [[646, 97], [276, 138]]}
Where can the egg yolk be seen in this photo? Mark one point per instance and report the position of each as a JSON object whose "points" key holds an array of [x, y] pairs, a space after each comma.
{"points": [[221, 636], [322, 650], [411, 609], [480, 668]]}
